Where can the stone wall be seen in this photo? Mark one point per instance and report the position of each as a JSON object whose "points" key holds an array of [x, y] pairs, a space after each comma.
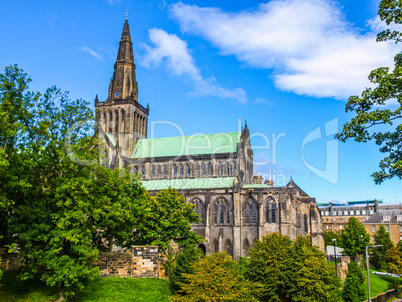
{"points": [[140, 262]]}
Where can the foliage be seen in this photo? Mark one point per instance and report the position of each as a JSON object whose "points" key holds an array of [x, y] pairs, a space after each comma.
{"points": [[217, 278], [373, 107], [378, 284], [330, 235], [353, 290], [169, 218], [354, 238], [394, 260], [183, 264], [381, 237], [292, 271]]}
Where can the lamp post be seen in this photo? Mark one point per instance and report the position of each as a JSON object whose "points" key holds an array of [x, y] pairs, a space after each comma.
{"points": [[334, 240], [367, 265]]}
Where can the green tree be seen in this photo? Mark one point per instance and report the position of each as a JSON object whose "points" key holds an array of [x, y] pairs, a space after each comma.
{"points": [[373, 107], [169, 218], [354, 238], [381, 237], [183, 264], [330, 235], [217, 278], [394, 260], [292, 270], [353, 287]]}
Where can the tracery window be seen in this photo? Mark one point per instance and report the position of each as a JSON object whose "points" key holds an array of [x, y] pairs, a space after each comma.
{"points": [[270, 211], [222, 211], [187, 170], [199, 209], [251, 211]]}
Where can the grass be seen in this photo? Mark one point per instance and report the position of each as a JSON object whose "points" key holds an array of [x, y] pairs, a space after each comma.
{"points": [[378, 284], [100, 289]]}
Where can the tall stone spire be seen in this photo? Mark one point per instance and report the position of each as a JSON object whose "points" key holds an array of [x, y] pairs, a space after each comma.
{"points": [[123, 86]]}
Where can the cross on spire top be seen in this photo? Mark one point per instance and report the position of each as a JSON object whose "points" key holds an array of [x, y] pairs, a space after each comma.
{"points": [[126, 13]]}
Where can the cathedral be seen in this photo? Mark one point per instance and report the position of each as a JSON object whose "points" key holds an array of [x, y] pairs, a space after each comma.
{"points": [[214, 172]]}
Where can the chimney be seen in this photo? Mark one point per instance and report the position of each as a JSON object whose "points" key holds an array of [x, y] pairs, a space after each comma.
{"points": [[257, 179], [269, 182]]}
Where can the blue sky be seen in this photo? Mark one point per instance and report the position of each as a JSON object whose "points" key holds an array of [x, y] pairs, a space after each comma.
{"points": [[287, 67]]}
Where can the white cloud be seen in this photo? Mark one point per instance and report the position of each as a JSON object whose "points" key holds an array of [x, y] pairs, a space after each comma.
{"points": [[308, 43], [91, 52], [171, 50], [113, 2]]}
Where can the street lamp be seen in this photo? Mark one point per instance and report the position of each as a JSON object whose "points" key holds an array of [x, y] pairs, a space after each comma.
{"points": [[368, 275], [334, 240]]}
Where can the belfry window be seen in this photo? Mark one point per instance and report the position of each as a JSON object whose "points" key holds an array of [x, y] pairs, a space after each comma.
{"points": [[234, 169], [116, 94], [164, 172], [188, 170], [159, 172], [227, 169], [209, 169], [198, 170], [143, 172], [220, 169], [153, 171], [181, 170], [117, 122], [174, 171], [204, 172]]}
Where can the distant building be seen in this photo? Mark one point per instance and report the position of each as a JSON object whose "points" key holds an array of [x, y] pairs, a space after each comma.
{"points": [[391, 219], [335, 216]]}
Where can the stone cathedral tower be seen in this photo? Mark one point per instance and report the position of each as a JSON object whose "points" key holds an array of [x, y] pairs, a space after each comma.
{"points": [[121, 120]]}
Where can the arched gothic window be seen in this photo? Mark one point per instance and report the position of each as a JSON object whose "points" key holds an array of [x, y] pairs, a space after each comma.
{"points": [[199, 209], [251, 211], [143, 171], [227, 169], [174, 171], [220, 169], [270, 211], [116, 94], [110, 122], [153, 171], [181, 171], [104, 118], [228, 247], [198, 170], [136, 170], [216, 245], [209, 169], [222, 212], [164, 172], [123, 115], [305, 223], [233, 168], [246, 247], [117, 122], [204, 172], [159, 172], [187, 170]]}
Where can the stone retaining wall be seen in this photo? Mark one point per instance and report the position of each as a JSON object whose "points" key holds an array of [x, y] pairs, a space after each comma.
{"points": [[140, 262]]}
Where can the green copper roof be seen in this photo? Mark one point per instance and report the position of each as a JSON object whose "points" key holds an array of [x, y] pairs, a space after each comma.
{"points": [[111, 138], [189, 183], [187, 145], [253, 186]]}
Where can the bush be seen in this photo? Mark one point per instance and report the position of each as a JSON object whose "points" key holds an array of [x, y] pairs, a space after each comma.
{"points": [[353, 287]]}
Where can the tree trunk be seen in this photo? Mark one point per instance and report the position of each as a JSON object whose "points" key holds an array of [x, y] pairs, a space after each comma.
{"points": [[61, 292]]}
